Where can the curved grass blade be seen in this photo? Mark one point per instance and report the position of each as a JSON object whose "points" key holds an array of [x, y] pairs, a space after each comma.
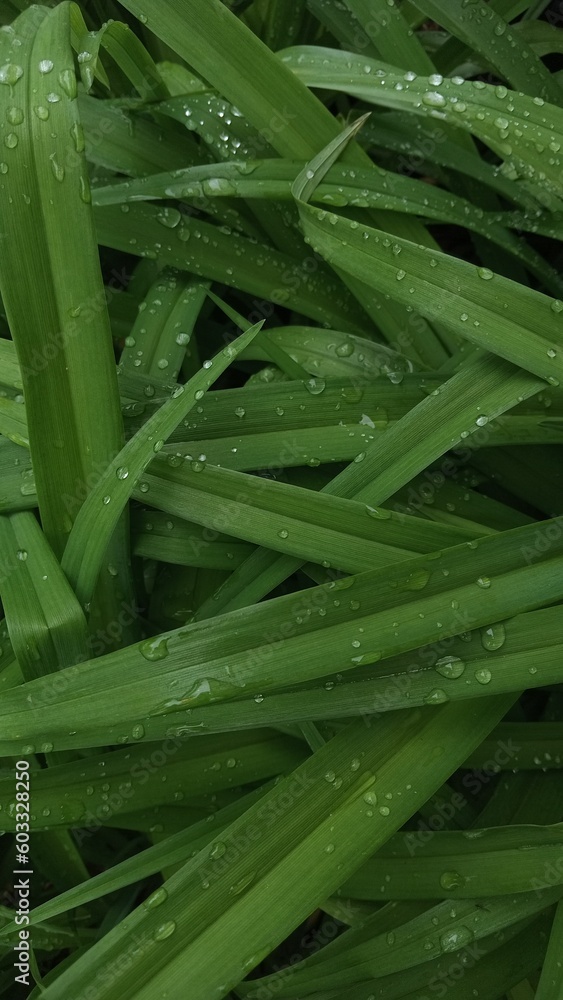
{"points": [[96, 521], [277, 644], [56, 305], [492, 114], [501, 316], [45, 622], [488, 34], [344, 816], [124, 47]]}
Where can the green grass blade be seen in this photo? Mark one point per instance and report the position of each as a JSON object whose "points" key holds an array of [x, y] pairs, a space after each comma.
{"points": [[104, 505]]}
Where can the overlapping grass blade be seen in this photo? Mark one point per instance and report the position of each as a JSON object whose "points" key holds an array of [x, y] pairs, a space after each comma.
{"points": [[102, 509], [321, 813]]}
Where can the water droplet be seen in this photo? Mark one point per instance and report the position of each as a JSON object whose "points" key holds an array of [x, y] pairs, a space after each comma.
{"points": [[242, 884], [157, 898], [315, 386], [122, 472], [493, 637], [344, 350], [57, 168], [21, 554], [283, 533], [15, 116], [164, 931], [482, 420], [483, 675], [451, 880], [370, 798], [106, 500], [433, 99], [84, 190], [435, 697], [10, 74], [557, 306], [400, 275], [67, 80], [379, 513], [240, 412], [450, 667], [218, 850], [45, 66], [77, 133], [155, 649], [11, 140], [485, 273], [138, 732], [484, 582], [455, 938], [169, 217], [417, 580]]}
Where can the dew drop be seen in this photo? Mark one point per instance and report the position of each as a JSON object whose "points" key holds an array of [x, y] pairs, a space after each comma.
{"points": [[15, 116], [417, 580], [451, 880], [493, 637], [432, 99], [483, 675], [435, 697], [77, 134], [165, 931], [450, 667], [156, 899], [155, 649], [242, 884], [456, 938], [57, 168], [315, 386], [67, 80], [218, 850], [10, 74]]}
